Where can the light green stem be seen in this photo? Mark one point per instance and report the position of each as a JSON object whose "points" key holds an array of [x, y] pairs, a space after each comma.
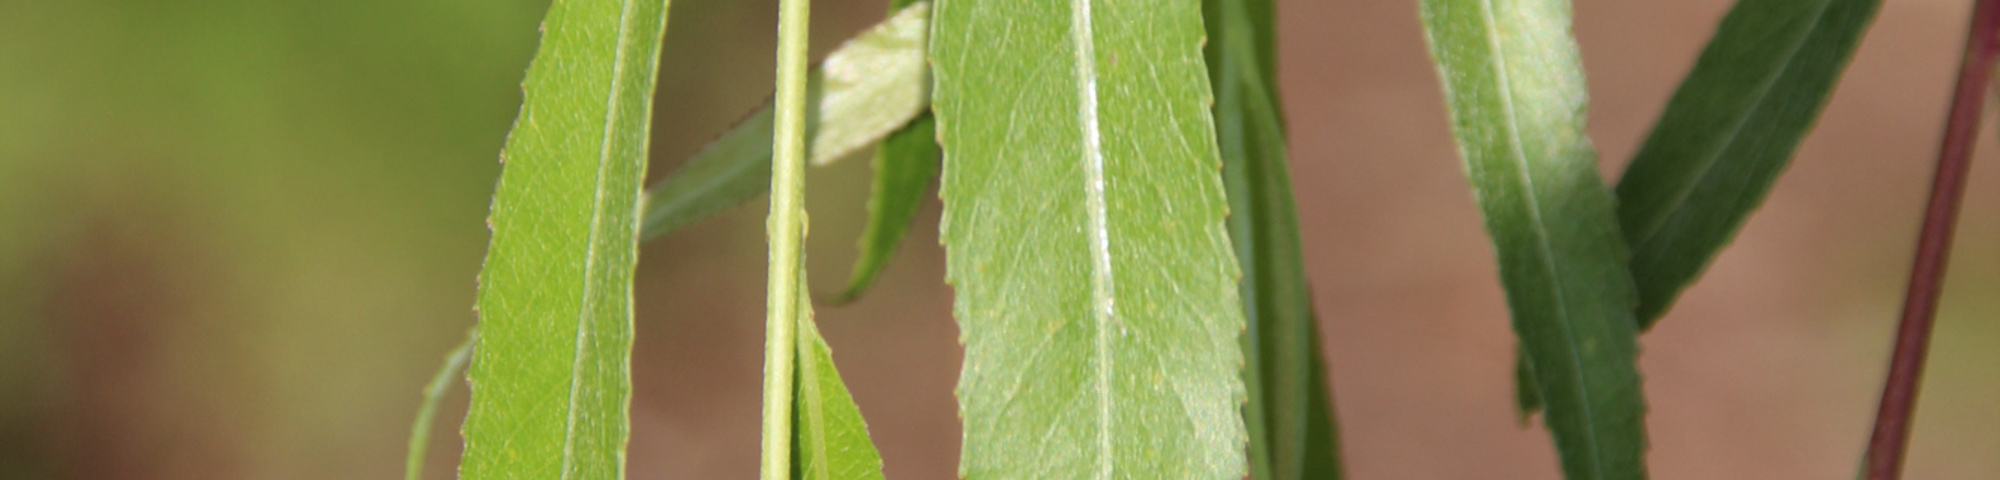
{"points": [[786, 231], [420, 431]]}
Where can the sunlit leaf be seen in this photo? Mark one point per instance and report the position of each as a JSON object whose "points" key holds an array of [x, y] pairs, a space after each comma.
{"points": [[1515, 89], [551, 372], [1728, 133], [1096, 290], [1288, 407], [870, 86]]}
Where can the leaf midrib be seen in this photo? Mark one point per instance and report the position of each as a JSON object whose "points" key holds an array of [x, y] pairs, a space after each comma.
{"points": [[612, 115], [1736, 128], [1102, 309], [1520, 159]]}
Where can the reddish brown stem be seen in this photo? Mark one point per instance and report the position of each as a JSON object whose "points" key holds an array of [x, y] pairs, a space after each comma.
{"points": [[1913, 335]]}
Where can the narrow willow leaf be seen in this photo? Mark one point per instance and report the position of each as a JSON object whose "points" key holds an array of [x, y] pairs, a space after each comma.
{"points": [[870, 86], [420, 430], [1322, 452], [904, 166], [1096, 290], [831, 440], [551, 372], [1282, 341], [1515, 87], [1728, 133]]}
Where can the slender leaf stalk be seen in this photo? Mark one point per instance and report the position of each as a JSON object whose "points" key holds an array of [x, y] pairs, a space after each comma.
{"points": [[1913, 334], [420, 430], [787, 232]]}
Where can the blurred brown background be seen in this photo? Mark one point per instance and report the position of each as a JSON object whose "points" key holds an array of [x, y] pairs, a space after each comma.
{"points": [[236, 236]]}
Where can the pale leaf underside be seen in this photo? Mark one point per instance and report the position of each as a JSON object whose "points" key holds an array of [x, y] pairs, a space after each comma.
{"points": [[1515, 89], [872, 85], [1095, 286]]}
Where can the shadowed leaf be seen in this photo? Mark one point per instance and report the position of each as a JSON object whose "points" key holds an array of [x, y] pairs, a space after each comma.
{"points": [[1289, 415], [904, 166], [1728, 133]]}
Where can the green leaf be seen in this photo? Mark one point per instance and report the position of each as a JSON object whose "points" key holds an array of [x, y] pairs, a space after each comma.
{"points": [[1322, 451], [904, 166], [870, 86], [831, 441], [1515, 87], [1288, 407], [551, 372], [1527, 401], [1096, 290], [420, 430], [1728, 133]]}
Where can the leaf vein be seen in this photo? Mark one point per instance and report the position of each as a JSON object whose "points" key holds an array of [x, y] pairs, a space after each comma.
{"points": [[584, 330], [1520, 157]]}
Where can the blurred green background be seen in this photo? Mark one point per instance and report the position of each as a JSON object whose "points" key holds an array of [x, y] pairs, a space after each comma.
{"points": [[236, 237]]}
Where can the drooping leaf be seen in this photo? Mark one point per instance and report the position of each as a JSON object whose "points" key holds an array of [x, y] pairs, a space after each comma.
{"points": [[1515, 89], [420, 430], [870, 86], [904, 166], [551, 372], [1322, 451], [830, 441], [1728, 133], [1281, 345], [1095, 284]]}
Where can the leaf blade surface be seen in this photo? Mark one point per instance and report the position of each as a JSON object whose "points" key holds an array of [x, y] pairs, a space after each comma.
{"points": [[1514, 85], [1728, 133], [550, 376], [904, 164], [1289, 413], [831, 438], [1083, 225]]}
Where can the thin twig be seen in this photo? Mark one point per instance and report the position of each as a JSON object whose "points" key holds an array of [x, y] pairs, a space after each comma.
{"points": [[1899, 393], [786, 232]]}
